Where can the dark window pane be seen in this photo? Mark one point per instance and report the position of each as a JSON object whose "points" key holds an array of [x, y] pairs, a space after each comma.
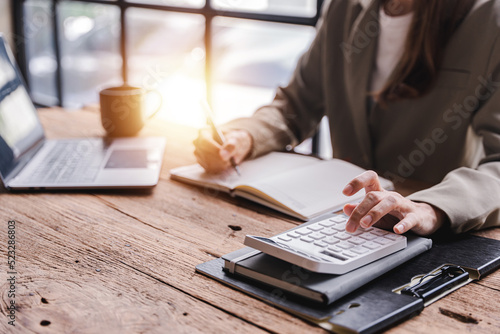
{"points": [[40, 54], [89, 35], [166, 53]]}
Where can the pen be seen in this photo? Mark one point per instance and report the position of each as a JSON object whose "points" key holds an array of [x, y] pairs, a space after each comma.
{"points": [[217, 134]]}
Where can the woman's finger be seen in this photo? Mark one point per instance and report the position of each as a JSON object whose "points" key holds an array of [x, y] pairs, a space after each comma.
{"points": [[205, 142], [349, 208], [228, 149], [211, 163], [387, 205], [371, 199], [407, 223], [215, 157], [367, 180]]}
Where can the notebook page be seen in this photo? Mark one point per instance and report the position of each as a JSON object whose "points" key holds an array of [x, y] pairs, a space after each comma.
{"points": [[312, 190], [251, 170]]}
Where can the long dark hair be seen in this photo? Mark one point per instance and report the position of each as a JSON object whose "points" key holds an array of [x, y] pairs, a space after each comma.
{"points": [[434, 22]]}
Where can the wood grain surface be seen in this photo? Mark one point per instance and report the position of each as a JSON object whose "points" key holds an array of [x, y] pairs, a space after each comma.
{"points": [[123, 261]]}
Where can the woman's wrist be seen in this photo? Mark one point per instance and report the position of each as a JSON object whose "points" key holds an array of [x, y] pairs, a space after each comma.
{"points": [[437, 218]]}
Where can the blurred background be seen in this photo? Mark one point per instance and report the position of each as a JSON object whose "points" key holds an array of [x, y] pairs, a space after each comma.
{"points": [[234, 53]]}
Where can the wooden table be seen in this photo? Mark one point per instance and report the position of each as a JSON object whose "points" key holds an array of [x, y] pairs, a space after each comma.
{"points": [[123, 261]]}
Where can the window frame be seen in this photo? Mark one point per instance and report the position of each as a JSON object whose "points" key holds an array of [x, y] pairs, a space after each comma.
{"points": [[207, 11]]}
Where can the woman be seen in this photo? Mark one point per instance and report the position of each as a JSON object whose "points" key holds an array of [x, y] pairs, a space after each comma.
{"points": [[411, 90]]}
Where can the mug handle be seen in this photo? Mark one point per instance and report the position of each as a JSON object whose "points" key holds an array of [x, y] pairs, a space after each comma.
{"points": [[159, 105]]}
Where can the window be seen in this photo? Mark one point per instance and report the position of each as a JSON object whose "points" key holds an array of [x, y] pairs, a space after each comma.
{"points": [[232, 52]]}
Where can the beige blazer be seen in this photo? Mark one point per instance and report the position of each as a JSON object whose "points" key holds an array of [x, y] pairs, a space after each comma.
{"points": [[450, 137]]}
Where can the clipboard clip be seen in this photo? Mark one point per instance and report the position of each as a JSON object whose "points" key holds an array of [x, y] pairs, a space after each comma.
{"points": [[437, 283]]}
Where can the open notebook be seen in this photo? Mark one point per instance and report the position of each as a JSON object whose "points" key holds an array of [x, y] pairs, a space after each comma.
{"points": [[300, 186]]}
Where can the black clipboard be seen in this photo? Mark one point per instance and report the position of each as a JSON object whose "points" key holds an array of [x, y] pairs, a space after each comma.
{"points": [[383, 303]]}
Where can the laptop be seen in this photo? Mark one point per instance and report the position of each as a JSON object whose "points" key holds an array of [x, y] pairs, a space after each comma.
{"points": [[30, 161]]}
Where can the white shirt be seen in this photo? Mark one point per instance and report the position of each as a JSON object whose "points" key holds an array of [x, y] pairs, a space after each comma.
{"points": [[391, 42], [390, 48]]}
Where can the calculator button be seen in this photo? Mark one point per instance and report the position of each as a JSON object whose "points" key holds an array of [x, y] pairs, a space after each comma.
{"points": [[315, 227], [368, 236], [339, 227], [285, 238], [379, 232], [335, 249], [359, 250], [393, 236], [349, 254], [316, 236], [371, 245], [382, 241], [357, 240], [345, 245], [338, 219], [321, 244], [326, 223], [307, 239], [329, 231], [331, 240], [303, 231], [342, 236]]}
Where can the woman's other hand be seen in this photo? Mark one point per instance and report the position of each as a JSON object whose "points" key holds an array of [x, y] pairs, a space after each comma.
{"points": [[215, 157], [388, 209]]}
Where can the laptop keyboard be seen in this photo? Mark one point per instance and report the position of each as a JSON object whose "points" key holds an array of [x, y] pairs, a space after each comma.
{"points": [[71, 162]]}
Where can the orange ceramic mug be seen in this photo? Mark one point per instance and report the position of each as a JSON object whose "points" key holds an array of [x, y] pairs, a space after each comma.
{"points": [[123, 110]]}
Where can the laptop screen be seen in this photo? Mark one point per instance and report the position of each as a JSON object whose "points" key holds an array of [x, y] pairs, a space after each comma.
{"points": [[20, 128]]}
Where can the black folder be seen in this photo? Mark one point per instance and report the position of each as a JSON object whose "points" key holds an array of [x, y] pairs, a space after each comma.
{"points": [[376, 305]]}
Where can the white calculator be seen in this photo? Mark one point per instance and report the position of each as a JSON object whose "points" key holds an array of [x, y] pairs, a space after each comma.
{"points": [[325, 246]]}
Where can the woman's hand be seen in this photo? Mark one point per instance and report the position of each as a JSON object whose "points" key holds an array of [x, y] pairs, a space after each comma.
{"points": [[388, 209], [215, 157]]}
